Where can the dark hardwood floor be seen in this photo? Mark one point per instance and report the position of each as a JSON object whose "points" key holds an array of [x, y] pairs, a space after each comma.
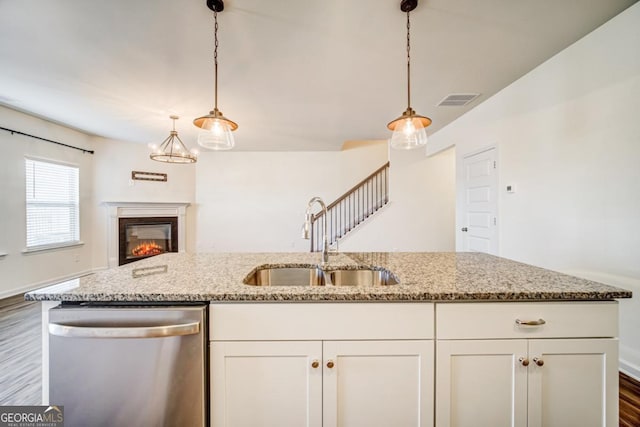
{"points": [[629, 401], [21, 367]]}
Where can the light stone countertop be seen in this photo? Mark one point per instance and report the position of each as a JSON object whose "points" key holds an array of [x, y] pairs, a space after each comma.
{"points": [[429, 276]]}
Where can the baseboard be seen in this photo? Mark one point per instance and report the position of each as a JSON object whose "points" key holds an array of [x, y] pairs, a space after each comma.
{"points": [[630, 369], [629, 360], [12, 300], [42, 284]]}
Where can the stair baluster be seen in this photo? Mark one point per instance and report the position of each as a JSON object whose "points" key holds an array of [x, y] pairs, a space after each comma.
{"points": [[352, 208]]}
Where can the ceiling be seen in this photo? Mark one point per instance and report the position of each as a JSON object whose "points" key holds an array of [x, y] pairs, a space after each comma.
{"points": [[294, 74]]}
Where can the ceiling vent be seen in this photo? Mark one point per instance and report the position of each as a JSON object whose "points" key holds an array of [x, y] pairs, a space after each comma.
{"points": [[457, 99]]}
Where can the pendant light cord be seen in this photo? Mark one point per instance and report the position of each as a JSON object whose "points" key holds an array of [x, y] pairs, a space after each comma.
{"points": [[408, 61], [215, 56]]}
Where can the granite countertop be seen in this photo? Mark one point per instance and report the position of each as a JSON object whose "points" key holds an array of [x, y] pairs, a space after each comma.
{"points": [[179, 277]]}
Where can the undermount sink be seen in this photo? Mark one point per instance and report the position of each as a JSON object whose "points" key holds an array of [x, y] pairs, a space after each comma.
{"points": [[286, 276], [362, 277], [316, 276]]}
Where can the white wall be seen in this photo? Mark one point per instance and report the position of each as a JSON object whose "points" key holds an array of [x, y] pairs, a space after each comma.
{"points": [[20, 272], [255, 201], [420, 216], [240, 201], [569, 139], [114, 161]]}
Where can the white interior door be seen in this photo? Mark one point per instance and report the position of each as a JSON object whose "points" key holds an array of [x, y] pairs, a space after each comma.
{"points": [[479, 228]]}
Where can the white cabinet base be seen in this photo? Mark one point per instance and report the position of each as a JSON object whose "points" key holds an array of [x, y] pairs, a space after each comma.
{"points": [[576, 386], [347, 365], [266, 384], [378, 384], [527, 364], [376, 364], [481, 383]]}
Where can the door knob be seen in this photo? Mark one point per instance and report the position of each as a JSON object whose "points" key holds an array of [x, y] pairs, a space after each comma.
{"points": [[315, 364], [524, 361], [465, 229], [330, 364], [538, 362]]}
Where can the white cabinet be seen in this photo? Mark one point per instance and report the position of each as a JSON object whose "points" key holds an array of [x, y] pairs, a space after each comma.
{"points": [[377, 383], [266, 383], [494, 369], [355, 371], [576, 386], [373, 364], [481, 383]]}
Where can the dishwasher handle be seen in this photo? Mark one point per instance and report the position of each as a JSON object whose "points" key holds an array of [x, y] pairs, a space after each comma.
{"points": [[69, 331]]}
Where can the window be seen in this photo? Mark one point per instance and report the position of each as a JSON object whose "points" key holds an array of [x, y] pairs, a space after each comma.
{"points": [[53, 213]]}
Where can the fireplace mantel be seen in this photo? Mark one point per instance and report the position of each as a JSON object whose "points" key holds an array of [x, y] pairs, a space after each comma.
{"points": [[117, 210]]}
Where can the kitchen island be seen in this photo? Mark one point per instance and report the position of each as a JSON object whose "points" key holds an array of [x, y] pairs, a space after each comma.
{"points": [[443, 276], [463, 339]]}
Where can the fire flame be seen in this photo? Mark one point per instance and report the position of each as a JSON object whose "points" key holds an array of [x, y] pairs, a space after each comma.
{"points": [[147, 248]]}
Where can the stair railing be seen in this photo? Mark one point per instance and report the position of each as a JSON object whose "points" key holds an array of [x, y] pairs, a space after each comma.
{"points": [[352, 208]]}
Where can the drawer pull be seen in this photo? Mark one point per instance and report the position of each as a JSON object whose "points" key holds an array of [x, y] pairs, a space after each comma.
{"points": [[530, 322], [538, 362], [330, 364], [315, 364], [524, 361]]}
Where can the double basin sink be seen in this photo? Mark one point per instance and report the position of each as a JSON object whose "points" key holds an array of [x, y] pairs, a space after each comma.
{"points": [[317, 276]]}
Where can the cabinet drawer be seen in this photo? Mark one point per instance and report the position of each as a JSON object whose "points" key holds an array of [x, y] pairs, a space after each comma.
{"points": [[585, 319], [324, 321]]}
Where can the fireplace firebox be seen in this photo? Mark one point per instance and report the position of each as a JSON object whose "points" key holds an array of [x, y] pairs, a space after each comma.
{"points": [[141, 238]]}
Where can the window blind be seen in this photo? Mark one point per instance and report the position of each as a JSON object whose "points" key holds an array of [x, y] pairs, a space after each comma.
{"points": [[53, 213]]}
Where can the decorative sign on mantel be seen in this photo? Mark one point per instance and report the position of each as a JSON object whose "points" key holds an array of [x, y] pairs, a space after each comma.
{"points": [[148, 176]]}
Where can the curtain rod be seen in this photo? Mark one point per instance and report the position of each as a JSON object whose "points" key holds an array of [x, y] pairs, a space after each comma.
{"points": [[47, 140]]}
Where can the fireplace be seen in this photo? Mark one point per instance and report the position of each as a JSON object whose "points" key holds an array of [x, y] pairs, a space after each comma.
{"points": [[144, 237], [146, 211]]}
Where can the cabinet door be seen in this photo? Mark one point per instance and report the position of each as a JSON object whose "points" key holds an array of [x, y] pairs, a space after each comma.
{"points": [[378, 383], [577, 385], [481, 383], [266, 384]]}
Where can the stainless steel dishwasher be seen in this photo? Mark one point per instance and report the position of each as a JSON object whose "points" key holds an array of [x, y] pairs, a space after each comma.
{"points": [[129, 365]]}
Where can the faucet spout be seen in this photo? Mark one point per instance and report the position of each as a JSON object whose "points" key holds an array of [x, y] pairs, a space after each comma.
{"points": [[308, 221]]}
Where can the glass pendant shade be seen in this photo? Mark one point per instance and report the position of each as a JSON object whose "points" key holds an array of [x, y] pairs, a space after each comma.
{"points": [[217, 136], [215, 131], [409, 131]]}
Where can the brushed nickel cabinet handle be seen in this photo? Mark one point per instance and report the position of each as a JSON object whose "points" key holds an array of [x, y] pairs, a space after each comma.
{"points": [[315, 364], [538, 361], [330, 364], [524, 361], [530, 322]]}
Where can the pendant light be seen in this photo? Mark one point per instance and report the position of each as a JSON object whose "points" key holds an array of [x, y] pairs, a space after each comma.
{"points": [[408, 129], [172, 149], [215, 129]]}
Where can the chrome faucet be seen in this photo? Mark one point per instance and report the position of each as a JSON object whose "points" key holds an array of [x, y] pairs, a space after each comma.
{"points": [[306, 227]]}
